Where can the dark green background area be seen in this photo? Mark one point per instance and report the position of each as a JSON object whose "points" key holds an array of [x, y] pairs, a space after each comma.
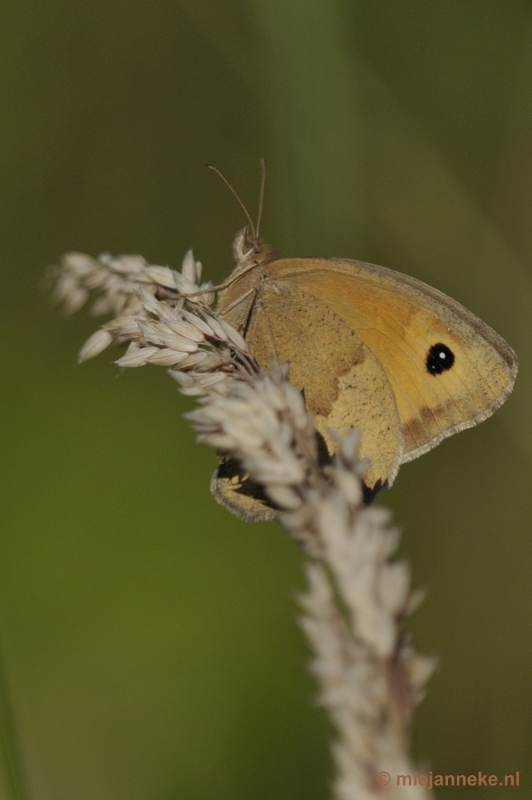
{"points": [[149, 638]]}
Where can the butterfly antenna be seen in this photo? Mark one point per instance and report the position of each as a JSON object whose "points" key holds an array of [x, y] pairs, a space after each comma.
{"points": [[231, 189], [261, 194]]}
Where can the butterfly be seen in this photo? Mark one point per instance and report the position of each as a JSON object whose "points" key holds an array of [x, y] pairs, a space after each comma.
{"points": [[371, 349]]}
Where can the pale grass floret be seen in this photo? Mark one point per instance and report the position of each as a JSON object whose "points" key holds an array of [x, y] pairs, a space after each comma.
{"points": [[370, 678]]}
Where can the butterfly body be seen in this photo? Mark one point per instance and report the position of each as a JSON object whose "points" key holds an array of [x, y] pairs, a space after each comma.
{"points": [[371, 349]]}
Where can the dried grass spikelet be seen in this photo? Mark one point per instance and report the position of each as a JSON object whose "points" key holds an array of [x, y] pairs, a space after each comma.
{"points": [[369, 677]]}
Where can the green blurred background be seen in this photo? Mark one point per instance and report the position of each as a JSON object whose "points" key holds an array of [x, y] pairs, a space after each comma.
{"points": [[149, 642]]}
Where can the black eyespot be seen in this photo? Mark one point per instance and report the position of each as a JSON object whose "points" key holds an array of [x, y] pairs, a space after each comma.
{"points": [[439, 359]]}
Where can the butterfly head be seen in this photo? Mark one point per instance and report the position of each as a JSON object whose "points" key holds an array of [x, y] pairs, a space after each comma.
{"points": [[250, 251]]}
